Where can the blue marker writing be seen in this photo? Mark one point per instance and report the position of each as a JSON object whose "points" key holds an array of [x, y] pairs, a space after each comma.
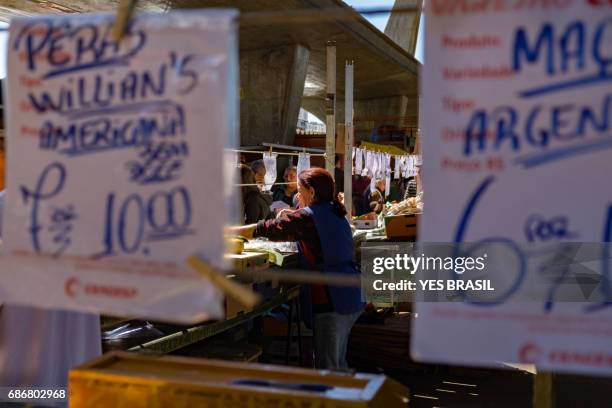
{"points": [[42, 192]]}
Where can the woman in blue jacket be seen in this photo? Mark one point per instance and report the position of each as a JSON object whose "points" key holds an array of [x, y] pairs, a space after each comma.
{"points": [[325, 244]]}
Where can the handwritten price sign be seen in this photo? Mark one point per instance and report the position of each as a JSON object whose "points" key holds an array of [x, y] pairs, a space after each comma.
{"points": [[517, 124], [116, 152]]}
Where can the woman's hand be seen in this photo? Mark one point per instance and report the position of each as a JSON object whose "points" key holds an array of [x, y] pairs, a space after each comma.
{"points": [[285, 211]]}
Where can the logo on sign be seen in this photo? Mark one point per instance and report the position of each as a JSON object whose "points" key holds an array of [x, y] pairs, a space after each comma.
{"points": [[529, 353], [74, 287]]}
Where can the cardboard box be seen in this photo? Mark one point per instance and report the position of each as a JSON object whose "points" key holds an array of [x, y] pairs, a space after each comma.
{"points": [[131, 380], [248, 261], [402, 226], [365, 224]]}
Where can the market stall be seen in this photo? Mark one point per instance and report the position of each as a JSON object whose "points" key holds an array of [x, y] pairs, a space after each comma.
{"points": [[397, 219], [137, 234]]}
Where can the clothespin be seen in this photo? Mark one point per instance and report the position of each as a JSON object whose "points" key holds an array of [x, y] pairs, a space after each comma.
{"points": [[270, 152], [124, 13], [239, 293]]}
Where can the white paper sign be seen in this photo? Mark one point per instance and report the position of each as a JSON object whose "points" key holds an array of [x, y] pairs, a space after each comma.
{"points": [[113, 152], [517, 125]]}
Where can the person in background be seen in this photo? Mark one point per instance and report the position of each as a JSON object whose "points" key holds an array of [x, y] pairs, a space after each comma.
{"points": [[325, 245], [413, 184], [402, 187], [360, 184], [286, 192], [38, 347], [374, 201], [411, 188], [255, 204], [339, 174], [396, 192], [259, 171]]}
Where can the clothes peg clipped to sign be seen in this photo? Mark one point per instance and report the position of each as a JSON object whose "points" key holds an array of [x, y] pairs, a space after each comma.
{"points": [[239, 293], [124, 13]]}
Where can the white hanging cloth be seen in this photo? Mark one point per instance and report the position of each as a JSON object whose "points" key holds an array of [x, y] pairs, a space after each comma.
{"points": [[396, 167], [401, 165], [356, 159], [407, 166], [369, 164], [269, 160], [372, 169], [303, 162], [387, 174], [413, 168], [377, 165]]}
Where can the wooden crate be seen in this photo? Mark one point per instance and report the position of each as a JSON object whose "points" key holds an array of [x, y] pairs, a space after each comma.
{"points": [[402, 226], [130, 380]]}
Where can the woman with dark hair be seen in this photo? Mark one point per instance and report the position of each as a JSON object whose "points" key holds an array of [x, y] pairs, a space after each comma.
{"points": [[255, 204], [259, 172], [325, 244]]}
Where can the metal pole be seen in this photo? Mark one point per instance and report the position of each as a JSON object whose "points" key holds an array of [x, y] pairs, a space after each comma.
{"points": [[330, 110], [348, 139]]}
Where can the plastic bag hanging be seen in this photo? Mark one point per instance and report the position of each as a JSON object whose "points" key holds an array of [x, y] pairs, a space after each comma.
{"points": [[380, 166], [373, 162], [270, 163], [396, 167], [413, 169], [407, 166], [367, 163], [303, 162], [387, 170]]}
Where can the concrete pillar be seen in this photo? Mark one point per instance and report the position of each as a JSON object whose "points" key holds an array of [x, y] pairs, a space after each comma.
{"points": [[316, 106], [403, 27], [330, 109], [348, 139], [271, 89]]}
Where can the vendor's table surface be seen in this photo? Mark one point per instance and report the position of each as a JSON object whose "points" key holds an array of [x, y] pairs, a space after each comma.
{"points": [[185, 336]]}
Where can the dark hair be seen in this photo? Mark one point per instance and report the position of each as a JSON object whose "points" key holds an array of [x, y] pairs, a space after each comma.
{"points": [[288, 169], [257, 164], [246, 177], [323, 185]]}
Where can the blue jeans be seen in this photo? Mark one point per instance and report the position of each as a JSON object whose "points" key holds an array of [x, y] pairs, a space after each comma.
{"points": [[331, 334]]}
